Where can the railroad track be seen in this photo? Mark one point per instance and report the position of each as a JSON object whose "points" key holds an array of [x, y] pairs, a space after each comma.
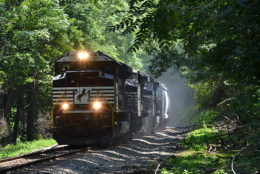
{"points": [[13, 163]]}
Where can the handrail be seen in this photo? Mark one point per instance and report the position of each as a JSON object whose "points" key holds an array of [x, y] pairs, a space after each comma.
{"points": [[53, 107]]}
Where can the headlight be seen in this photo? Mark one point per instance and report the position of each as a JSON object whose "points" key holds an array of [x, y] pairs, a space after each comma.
{"points": [[65, 106], [96, 105], [83, 55]]}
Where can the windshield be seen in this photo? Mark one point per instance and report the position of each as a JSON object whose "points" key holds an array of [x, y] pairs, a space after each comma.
{"points": [[107, 67]]}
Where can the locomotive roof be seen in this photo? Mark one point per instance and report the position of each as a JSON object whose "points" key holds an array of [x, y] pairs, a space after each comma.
{"points": [[95, 56], [100, 56]]}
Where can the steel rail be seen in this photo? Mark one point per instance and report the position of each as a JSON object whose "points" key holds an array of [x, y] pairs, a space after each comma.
{"points": [[52, 148], [43, 155]]}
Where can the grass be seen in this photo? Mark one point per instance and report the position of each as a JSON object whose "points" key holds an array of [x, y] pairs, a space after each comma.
{"points": [[21, 148], [193, 162], [200, 138]]}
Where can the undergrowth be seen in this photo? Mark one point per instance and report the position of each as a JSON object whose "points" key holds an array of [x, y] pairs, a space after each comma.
{"points": [[224, 139], [200, 153]]}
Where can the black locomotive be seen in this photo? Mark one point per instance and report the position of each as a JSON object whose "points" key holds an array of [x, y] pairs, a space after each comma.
{"points": [[96, 99]]}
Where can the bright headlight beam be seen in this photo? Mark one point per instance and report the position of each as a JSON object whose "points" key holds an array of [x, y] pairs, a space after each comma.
{"points": [[65, 106], [97, 105], [83, 55]]}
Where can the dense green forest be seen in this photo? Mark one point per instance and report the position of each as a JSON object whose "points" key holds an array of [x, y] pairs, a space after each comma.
{"points": [[35, 33], [213, 44]]}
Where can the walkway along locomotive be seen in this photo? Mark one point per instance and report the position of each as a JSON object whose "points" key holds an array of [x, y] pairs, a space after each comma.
{"points": [[96, 98]]}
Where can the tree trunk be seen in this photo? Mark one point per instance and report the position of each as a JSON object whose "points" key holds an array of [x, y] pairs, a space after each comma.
{"points": [[8, 102], [18, 114], [31, 114]]}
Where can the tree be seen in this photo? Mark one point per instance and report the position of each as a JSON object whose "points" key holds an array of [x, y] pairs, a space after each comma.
{"points": [[224, 34], [93, 19], [32, 35]]}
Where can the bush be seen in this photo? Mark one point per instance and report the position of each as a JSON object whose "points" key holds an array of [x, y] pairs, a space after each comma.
{"points": [[204, 92], [205, 117]]}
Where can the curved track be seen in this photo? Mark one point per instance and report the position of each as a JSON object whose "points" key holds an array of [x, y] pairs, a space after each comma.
{"points": [[131, 156]]}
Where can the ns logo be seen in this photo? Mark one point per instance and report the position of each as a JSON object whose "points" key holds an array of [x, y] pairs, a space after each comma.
{"points": [[81, 96]]}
